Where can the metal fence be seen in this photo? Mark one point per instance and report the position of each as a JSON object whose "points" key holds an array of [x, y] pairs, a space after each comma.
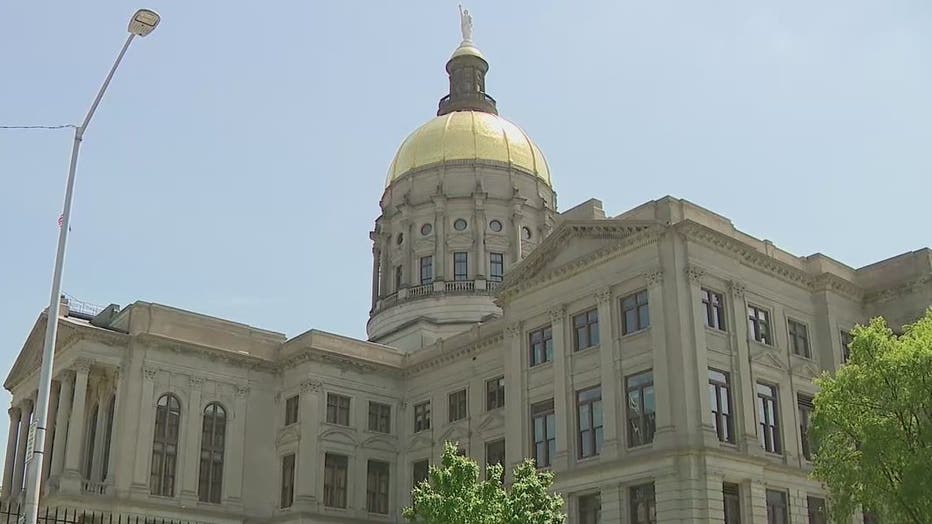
{"points": [[13, 513]]}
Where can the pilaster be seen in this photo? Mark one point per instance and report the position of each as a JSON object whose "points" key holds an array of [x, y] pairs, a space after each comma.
{"points": [[190, 457], [515, 399], [11, 447], [308, 482], [609, 378], [146, 416], [705, 429], [561, 361], [19, 467], [233, 470], [50, 432], [109, 473], [746, 425], [664, 407]]}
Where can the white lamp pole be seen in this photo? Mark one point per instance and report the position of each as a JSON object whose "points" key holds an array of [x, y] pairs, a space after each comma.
{"points": [[142, 23]]}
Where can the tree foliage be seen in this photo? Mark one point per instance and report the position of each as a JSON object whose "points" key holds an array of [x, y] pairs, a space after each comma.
{"points": [[873, 425], [453, 494]]}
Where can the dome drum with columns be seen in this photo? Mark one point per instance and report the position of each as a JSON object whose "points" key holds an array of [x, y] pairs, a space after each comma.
{"points": [[467, 195]]}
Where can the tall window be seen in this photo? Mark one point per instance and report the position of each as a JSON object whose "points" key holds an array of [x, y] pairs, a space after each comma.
{"points": [[769, 423], [165, 446], [643, 507], [589, 418], [291, 410], [496, 267], [89, 442], [714, 304], [590, 509], [759, 325], [544, 428], [213, 434], [422, 416], [776, 507], [335, 471], [420, 471], [377, 487], [804, 404], [495, 454], [799, 338], [460, 265], [399, 273], [845, 346], [287, 494], [732, 501], [495, 393], [541, 345], [586, 330], [338, 409], [815, 507], [641, 420], [720, 400], [107, 438], [380, 417], [457, 405], [427, 270], [635, 314]]}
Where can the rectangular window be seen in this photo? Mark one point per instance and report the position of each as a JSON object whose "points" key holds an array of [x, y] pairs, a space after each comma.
{"points": [[495, 393], [427, 270], [460, 265], [420, 471], [804, 404], [338, 409], [759, 325], [496, 267], [643, 507], [335, 472], [776, 507], [586, 330], [495, 454], [640, 401], [720, 400], [291, 410], [732, 501], [714, 304], [377, 487], [380, 417], [287, 495], [845, 346], [816, 509], [635, 314], [590, 509], [541, 345], [422, 416], [767, 415], [799, 338], [589, 420], [543, 428], [398, 275], [458, 405]]}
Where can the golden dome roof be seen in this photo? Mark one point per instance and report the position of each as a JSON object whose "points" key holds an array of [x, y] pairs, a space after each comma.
{"points": [[469, 135]]}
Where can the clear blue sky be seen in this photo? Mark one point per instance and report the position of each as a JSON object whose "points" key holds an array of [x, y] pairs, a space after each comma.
{"points": [[236, 164]]}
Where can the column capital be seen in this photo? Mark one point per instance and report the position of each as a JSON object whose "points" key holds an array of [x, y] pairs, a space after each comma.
{"points": [[241, 390], [82, 365], [654, 278], [150, 372], [66, 376], [311, 386], [513, 330], [195, 382], [558, 313], [604, 295], [694, 274], [27, 404], [736, 288], [14, 412]]}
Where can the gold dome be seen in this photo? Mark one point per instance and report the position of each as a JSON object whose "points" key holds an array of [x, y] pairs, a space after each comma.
{"points": [[468, 135]]}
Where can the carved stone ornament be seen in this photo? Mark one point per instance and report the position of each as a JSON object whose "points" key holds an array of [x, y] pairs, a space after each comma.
{"points": [[14, 412], [736, 288], [311, 386], [241, 390], [513, 330], [195, 382], [654, 278], [83, 365], [557, 314], [603, 295], [150, 373], [694, 274]]}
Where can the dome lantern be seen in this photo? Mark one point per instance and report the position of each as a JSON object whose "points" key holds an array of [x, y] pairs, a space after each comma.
{"points": [[467, 69]]}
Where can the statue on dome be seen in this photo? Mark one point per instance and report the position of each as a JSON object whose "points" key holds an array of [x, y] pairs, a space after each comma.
{"points": [[466, 24]]}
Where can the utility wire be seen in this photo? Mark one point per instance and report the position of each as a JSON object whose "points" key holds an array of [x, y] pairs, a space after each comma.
{"points": [[62, 126]]}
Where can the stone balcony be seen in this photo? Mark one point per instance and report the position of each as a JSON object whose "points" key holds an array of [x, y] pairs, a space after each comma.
{"points": [[437, 289]]}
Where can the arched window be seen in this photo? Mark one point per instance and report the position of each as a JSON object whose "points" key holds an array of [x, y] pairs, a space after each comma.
{"points": [[213, 436], [90, 442], [108, 438], [165, 446]]}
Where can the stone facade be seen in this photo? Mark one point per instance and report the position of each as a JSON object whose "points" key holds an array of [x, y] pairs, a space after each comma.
{"points": [[592, 355]]}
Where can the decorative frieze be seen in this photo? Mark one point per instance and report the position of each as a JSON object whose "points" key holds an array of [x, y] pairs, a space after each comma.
{"points": [[603, 295], [311, 386]]}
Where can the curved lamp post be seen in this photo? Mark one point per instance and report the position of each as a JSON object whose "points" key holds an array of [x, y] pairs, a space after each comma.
{"points": [[143, 22]]}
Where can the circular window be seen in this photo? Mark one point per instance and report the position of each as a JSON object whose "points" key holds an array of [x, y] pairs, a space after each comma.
{"points": [[495, 225], [459, 224], [401, 238], [426, 229], [527, 232]]}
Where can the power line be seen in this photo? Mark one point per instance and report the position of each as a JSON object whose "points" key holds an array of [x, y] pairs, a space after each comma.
{"points": [[61, 126]]}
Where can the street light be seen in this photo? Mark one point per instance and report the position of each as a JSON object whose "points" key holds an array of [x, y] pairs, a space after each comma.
{"points": [[143, 22]]}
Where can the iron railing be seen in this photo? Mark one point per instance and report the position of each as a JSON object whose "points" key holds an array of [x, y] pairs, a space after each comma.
{"points": [[11, 513]]}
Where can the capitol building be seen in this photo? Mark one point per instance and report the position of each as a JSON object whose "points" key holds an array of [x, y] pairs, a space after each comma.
{"points": [[660, 362]]}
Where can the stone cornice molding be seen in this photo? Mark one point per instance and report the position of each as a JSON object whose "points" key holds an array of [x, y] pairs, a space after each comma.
{"points": [[906, 288], [213, 354], [464, 350], [342, 362]]}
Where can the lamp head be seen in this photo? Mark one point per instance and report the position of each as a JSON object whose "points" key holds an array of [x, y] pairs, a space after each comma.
{"points": [[143, 22]]}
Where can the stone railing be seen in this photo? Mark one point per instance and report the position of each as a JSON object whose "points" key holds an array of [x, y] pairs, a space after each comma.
{"points": [[96, 488], [438, 288]]}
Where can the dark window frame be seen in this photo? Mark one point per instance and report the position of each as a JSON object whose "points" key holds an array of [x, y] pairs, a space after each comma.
{"points": [[457, 408], [543, 443], [292, 406], [164, 465], [213, 447], [805, 408], [420, 471], [336, 473], [641, 419], [286, 498], [460, 265], [589, 426], [759, 326], [799, 338], [399, 277], [378, 486], [422, 416], [731, 499], [589, 508], [338, 409], [426, 264], [635, 312], [714, 303], [496, 267], [846, 339], [540, 345], [777, 507], [723, 417], [586, 329], [495, 454], [816, 510], [768, 403], [495, 393], [380, 417], [643, 494]]}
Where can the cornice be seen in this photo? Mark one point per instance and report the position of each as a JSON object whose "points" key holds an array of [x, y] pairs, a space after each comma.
{"points": [[342, 362], [906, 288], [455, 354], [213, 354]]}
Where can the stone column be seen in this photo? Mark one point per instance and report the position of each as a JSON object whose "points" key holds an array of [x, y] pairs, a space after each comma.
{"points": [[72, 475], [387, 273], [609, 376], [50, 431], [112, 454], [308, 468], [232, 490], [19, 467], [562, 353], [189, 455], [482, 263], [61, 423], [146, 416], [376, 255], [100, 433], [516, 411], [11, 442], [407, 253], [517, 222], [705, 427], [440, 251], [664, 406], [746, 413]]}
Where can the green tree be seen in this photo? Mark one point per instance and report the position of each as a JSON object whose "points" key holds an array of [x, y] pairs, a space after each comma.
{"points": [[873, 425], [454, 495]]}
